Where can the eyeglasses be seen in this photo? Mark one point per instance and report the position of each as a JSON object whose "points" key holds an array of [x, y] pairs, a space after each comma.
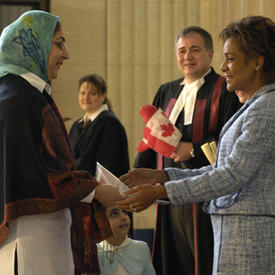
{"points": [[60, 45]]}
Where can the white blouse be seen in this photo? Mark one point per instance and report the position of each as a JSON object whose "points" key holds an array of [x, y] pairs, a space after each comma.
{"points": [[43, 244]]}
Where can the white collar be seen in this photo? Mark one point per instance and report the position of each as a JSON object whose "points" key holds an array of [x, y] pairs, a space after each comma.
{"points": [[37, 82], [105, 244], [187, 100], [93, 116]]}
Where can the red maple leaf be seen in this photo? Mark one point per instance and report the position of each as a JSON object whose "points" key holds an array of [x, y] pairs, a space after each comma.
{"points": [[167, 129]]}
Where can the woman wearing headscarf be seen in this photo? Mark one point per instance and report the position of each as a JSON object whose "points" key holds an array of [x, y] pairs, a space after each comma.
{"points": [[240, 187], [42, 197]]}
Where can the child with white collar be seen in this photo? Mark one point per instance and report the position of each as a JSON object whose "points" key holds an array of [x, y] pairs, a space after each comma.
{"points": [[121, 255]]}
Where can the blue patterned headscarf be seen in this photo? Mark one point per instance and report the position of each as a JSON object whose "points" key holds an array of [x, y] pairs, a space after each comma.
{"points": [[25, 44]]}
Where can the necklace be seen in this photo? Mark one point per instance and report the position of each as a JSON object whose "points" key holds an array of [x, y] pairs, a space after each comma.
{"points": [[109, 250]]}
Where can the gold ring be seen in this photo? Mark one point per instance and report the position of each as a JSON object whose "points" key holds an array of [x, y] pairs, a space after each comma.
{"points": [[132, 207]]}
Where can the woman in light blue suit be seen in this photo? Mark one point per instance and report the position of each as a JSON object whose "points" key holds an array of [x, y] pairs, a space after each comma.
{"points": [[239, 189]]}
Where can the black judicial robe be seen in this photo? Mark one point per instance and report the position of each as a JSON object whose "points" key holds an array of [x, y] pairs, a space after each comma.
{"points": [[173, 248], [103, 140]]}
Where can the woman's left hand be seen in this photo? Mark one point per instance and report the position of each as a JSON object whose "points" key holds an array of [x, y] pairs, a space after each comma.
{"points": [[141, 197]]}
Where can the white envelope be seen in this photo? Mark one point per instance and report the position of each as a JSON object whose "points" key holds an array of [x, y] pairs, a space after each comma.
{"points": [[104, 176]]}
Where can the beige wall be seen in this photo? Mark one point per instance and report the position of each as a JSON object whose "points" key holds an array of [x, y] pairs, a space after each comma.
{"points": [[131, 44], [84, 27]]}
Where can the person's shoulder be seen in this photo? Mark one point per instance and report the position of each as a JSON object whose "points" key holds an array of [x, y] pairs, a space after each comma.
{"points": [[12, 79], [139, 244], [16, 83], [107, 114], [75, 123], [171, 84], [20, 93], [265, 99], [213, 76], [168, 90], [108, 117]]}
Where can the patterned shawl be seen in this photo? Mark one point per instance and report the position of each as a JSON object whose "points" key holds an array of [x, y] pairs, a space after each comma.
{"points": [[24, 47]]}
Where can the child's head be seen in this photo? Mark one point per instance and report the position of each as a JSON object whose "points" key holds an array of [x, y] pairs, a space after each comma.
{"points": [[119, 221]]}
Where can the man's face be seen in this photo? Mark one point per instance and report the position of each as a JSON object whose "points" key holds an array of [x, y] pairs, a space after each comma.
{"points": [[193, 58]]}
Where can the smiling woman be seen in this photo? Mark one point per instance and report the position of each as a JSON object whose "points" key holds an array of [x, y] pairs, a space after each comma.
{"points": [[247, 68], [242, 73], [42, 196], [238, 190], [98, 136]]}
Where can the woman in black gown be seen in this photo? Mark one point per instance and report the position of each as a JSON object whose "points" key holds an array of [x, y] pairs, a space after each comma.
{"points": [[98, 136]]}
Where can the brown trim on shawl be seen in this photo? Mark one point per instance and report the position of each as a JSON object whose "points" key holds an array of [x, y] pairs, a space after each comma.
{"points": [[89, 227], [89, 221]]}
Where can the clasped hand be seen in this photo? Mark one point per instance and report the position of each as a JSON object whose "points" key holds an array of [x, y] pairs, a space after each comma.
{"points": [[144, 191]]}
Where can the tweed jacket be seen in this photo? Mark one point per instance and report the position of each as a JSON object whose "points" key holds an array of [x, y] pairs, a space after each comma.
{"points": [[242, 180]]}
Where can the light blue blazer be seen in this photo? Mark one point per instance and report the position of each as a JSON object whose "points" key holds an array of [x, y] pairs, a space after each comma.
{"points": [[240, 189]]}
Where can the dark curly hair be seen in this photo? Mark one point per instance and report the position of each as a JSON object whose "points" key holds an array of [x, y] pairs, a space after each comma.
{"points": [[256, 36]]}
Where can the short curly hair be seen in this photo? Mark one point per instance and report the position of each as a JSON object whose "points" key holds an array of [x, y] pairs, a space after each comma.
{"points": [[256, 36]]}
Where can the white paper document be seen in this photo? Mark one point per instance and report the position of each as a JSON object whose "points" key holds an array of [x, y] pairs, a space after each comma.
{"points": [[104, 176]]}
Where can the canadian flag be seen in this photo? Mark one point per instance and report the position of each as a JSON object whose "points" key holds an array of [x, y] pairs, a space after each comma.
{"points": [[159, 133]]}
